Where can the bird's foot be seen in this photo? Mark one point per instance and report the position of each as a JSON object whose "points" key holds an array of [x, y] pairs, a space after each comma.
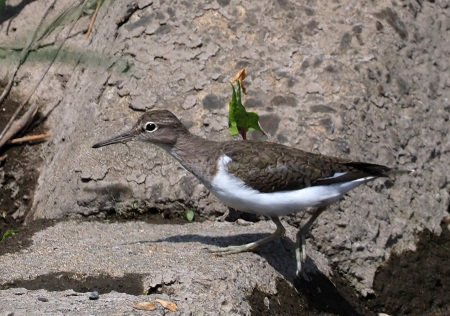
{"points": [[224, 216], [250, 246], [232, 249]]}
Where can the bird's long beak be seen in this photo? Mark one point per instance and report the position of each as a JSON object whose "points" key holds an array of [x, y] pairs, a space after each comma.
{"points": [[122, 138]]}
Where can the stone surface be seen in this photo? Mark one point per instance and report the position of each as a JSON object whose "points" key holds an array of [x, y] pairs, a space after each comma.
{"points": [[172, 258]]}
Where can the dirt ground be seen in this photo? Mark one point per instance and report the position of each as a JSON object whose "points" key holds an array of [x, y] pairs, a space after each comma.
{"points": [[18, 176]]}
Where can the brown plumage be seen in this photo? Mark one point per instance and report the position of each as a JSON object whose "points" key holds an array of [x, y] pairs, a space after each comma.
{"points": [[280, 168]]}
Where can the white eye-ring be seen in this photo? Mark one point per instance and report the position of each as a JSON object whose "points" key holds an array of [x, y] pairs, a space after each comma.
{"points": [[150, 127]]}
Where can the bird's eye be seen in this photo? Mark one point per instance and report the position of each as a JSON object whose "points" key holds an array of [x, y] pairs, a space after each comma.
{"points": [[150, 127]]}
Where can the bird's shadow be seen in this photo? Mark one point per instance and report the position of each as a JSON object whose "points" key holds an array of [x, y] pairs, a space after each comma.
{"points": [[320, 292], [279, 253]]}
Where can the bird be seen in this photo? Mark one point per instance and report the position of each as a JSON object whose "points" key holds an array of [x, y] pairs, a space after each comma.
{"points": [[257, 177]]}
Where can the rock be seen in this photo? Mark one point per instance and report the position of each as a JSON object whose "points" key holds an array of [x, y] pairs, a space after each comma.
{"points": [[94, 296]]}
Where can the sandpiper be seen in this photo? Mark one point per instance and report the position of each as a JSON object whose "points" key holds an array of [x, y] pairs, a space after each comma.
{"points": [[256, 177]]}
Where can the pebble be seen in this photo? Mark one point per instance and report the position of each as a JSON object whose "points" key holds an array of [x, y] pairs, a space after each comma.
{"points": [[42, 299], [94, 296]]}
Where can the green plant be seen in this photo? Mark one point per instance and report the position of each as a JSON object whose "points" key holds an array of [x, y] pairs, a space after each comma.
{"points": [[8, 233], [190, 215], [240, 120]]}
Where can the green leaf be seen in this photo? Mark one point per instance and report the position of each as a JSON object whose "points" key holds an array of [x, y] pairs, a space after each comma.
{"points": [[190, 215], [8, 234], [241, 121]]}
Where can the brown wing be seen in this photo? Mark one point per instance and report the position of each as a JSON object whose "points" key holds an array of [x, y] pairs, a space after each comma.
{"points": [[280, 168]]}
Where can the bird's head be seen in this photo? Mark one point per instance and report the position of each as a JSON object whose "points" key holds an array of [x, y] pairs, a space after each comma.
{"points": [[159, 127]]}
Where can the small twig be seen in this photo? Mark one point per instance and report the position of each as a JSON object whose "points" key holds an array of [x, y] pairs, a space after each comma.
{"points": [[9, 85], [94, 17], [29, 138], [3, 157], [19, 124]]}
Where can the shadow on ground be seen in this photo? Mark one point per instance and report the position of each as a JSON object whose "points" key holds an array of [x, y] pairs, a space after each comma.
{"points": [[130, 283]]}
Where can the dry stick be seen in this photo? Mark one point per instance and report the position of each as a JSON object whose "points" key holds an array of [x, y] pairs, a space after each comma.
{"points": [[99, 3], [9, 85], [19, 124], [23, 56], [40, 79], [29, 138]]}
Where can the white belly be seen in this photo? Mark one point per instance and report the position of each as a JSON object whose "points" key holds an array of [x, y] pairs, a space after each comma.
{"points": [[234, 193]]}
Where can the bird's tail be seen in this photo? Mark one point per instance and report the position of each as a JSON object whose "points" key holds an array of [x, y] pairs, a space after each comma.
{"points": [[400, 171], [378, 170]]}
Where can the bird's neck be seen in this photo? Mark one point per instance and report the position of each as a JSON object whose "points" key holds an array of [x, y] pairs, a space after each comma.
{"points": [[196, 154]]}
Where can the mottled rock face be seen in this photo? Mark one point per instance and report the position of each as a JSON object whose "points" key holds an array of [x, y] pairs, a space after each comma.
{"points": [[362, 80]]}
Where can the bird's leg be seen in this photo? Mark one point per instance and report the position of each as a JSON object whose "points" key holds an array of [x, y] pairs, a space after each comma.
{"points": [[300, 243], [250, 246]]}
